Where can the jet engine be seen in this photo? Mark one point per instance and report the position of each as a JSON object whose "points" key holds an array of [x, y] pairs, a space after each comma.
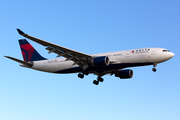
{"points": [[100, 61], [124, 74]]}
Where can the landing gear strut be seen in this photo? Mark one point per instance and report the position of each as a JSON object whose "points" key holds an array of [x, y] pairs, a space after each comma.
{"points": [[85, 72], [154, 69], [99, 79]]}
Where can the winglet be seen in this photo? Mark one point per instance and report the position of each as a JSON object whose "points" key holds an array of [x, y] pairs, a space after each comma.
{"points": [[20, 32]]}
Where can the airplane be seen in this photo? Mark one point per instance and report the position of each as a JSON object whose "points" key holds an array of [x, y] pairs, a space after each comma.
{"points": [[112, 63]]}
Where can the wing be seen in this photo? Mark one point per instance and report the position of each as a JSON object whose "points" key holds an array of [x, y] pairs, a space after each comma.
{"points": [[77, 57]]}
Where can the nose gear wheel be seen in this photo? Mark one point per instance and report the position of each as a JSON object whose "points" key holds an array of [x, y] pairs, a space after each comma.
{"points": [[154, 70]]}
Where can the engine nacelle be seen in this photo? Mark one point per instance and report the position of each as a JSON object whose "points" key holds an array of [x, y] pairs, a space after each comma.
{"points": [[124, 74], [101, 61]]}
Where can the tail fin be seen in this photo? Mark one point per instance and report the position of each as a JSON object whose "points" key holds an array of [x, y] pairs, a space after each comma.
{"points": [[28, 52]]}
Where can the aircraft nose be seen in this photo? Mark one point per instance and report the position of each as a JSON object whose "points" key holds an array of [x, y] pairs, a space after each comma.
{"points": [[171, 54]]}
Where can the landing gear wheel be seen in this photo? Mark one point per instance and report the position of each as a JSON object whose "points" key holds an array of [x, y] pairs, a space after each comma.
{"points": [[81, 75], [154, 70], [96, 82], [86, 72], [100, 79]]}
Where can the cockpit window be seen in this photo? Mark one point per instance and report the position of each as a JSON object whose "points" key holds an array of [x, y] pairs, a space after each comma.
{"points": [[165, 50]]}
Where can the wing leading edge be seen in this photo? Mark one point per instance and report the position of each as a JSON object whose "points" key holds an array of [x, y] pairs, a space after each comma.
{"points": [[77, 57]]}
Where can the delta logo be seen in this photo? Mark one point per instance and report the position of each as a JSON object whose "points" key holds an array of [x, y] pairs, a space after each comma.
{"points": [[140, 51]]}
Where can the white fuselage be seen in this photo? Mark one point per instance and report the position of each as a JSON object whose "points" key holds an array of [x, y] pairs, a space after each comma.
{"points": [[136, 56]]}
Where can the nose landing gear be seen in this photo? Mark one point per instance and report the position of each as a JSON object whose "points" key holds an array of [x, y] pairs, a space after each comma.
{"points": [[154, 69]]}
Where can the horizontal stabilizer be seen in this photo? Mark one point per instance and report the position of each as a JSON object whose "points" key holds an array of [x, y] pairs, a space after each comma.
{"points": [[20, 61]]}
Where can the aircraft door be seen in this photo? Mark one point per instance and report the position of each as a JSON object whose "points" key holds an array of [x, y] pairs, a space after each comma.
{"points": [[153, 52], [127, 56]]}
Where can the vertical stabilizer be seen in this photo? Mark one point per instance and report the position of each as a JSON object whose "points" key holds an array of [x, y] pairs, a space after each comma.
{"points": [[28, 52]]}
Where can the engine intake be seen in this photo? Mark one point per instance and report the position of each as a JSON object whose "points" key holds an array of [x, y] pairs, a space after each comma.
{"points": [[124, 74], [101, 61]]}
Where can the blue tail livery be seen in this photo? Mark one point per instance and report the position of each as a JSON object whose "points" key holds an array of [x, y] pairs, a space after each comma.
{"points": [[28, 52]]}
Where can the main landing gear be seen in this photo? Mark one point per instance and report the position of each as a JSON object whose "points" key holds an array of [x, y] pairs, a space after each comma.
{"points": [[99, 79], [96, 82], [81, 75]]}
